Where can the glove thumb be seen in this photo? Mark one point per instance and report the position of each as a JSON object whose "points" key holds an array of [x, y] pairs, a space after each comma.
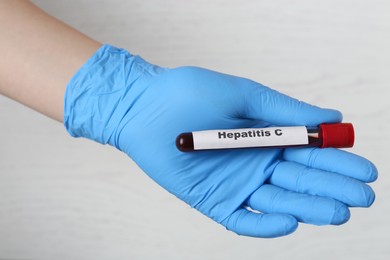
{"points": [[266, 104]]}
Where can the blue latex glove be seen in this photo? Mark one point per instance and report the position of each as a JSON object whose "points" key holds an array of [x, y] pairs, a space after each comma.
{"points": [[139, 108]]}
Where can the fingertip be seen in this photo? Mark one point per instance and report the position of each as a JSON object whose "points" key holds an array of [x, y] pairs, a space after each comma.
{"points": [[341, 214], [334, 115], [247, 223], [291, 224], [277, 225], [311, 115], [371, 172], [283, 224], [369, 196]]}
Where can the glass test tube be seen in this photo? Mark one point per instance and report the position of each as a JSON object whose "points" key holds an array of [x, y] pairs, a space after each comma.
{"points": [[339, 135]]}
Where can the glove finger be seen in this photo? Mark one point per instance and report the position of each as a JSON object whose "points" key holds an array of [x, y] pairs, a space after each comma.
{"points": [[276, 108], [305, 208], [342, 162], [303, 179], [248, 223]]}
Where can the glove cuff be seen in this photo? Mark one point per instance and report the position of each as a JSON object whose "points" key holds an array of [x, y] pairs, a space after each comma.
{"points": [[93, 102]]}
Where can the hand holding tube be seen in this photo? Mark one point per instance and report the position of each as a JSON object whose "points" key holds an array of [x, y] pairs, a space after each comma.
{"points": [[119, 99]]}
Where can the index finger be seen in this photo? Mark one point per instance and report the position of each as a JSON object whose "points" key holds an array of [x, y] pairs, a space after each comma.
{"points": [[334, 160]]}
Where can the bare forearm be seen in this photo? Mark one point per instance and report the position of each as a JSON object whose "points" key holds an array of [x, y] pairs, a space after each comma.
{"points": [[39, 56]]}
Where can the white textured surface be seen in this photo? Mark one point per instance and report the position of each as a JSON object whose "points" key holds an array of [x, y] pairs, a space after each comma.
{"points": [[64, 198]]}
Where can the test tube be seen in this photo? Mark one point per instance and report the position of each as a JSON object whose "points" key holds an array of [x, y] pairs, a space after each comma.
{"points": [[339, 135]]}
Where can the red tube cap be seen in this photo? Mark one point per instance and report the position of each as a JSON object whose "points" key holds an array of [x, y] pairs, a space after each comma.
{"points": [[339, 135]]}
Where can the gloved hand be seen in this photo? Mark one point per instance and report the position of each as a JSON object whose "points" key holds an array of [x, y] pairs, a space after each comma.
{"points": [[139, 108]]}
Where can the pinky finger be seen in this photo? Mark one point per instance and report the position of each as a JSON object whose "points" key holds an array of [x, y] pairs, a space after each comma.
{"points": [[247, 223]]}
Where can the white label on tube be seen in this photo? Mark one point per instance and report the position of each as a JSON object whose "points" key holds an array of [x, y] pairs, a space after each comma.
{"points": [[250, 137]]}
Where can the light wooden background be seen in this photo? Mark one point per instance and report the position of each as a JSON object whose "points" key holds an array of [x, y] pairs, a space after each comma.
{"points": [[65, 198]]}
